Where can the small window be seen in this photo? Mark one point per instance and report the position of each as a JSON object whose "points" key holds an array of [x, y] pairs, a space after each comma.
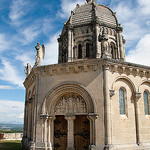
{"points": [[79, 51], [146, 103], [122, 101], [87, 50]]}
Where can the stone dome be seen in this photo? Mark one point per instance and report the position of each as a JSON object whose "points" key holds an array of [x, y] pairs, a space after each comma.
{"points": [[90, 12]]}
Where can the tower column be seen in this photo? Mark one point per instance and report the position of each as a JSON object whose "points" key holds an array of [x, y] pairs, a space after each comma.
{"points": [[120, 42], [69, 45], [98, 53], [70, 136], [107, 110]]}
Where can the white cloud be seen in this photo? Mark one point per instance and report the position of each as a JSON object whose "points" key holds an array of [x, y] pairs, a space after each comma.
{"points": [[5, 87], [141, 54], [11, 111], [47, 25], [133, 20], [30, 33], [4, 43], [51, 55], [26, 58], [144, 6], [10, 73], [18, 10], [124, 13]]}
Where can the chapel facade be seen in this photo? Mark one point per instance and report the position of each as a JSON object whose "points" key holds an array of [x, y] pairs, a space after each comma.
{"points": [[92, 99]]}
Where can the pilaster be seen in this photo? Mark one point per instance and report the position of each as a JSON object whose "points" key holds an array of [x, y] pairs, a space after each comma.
{"points": [[107, 110], [137, 112]]}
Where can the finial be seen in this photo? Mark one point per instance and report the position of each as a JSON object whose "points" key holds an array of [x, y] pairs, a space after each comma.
{"points": [[89, 1]]}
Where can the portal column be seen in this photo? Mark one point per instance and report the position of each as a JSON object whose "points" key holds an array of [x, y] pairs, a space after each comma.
{"points": [[50, 132], [92, 117], [70, 136], [44, 130]]}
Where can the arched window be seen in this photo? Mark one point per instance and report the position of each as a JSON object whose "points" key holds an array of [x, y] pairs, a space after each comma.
{"points": [[146, 103], [87, 50], [112, 49], [79, 51], [122, 101]]}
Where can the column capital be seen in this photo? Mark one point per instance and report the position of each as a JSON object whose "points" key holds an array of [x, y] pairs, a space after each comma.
{"points": [[44, 116], [106, 66], [92, 116], [70, 117]]}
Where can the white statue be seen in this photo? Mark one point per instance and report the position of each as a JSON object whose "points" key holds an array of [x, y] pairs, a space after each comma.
{"points": [[27, 69], [40, 50]]}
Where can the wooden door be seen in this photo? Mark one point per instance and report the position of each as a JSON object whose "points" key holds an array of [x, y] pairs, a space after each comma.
{"points": [[81, 133], [60, 133]]}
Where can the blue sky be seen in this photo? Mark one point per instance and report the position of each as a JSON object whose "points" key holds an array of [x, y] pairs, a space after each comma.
{"points": [[23, 23]]}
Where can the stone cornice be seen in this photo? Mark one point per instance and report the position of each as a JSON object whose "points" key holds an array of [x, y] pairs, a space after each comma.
{"points": [[114, 66]]}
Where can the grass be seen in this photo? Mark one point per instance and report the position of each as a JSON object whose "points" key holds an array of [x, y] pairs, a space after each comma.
{"points": [[10, 145]]}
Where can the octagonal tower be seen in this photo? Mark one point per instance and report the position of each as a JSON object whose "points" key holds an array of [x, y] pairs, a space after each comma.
{"points": [[92, 31]]}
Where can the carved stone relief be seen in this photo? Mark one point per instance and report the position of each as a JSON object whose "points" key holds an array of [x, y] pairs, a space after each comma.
{"points": [[70, 104]]}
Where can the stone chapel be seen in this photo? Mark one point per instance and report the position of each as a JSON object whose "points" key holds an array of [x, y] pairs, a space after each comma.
{"points": [[92, 99]]}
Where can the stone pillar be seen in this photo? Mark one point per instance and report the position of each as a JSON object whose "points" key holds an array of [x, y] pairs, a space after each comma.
{"points": [[72, 45], [44, 130], [136, 98], [29, 120], [107, 110], [96, 40], [50, 132], [70, 136], [33, 124], [92, 117], [118, 47], [69, 45], [121, 44], [25, 119]]}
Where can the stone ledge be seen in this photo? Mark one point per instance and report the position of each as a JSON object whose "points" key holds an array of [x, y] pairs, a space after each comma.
{"points": [[88, 65]]}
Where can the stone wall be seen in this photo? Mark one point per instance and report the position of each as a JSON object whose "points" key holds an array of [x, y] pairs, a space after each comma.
{"points": [[13, 136]]}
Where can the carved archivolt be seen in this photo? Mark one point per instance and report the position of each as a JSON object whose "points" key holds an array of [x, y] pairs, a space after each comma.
{"points": [[71, 104]]}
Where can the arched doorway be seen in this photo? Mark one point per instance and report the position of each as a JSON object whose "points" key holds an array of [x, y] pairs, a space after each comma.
{"points": [[72, 118], [71, 123]]}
